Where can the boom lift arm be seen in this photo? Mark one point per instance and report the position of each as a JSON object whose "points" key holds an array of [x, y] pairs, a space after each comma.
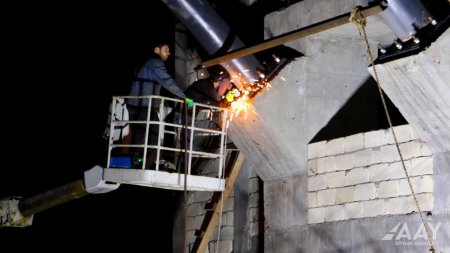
{"points": [[18, 212]]}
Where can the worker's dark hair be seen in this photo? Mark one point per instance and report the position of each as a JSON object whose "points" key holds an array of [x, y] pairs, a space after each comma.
{"points": [[218, 73], [159, 42]]}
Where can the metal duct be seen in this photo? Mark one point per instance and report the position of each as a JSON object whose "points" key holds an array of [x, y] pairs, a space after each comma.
{"points": [[215, 36], [404, 17], [248, 2]]}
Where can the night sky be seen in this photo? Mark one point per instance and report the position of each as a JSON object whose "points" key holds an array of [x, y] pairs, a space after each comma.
{"points": [[62, 67]]}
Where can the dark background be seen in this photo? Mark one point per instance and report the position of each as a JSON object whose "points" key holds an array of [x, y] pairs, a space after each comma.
{"points": [[62, 64]]}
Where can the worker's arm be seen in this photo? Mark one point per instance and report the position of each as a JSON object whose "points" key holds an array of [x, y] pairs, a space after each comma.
{"points": [[164, 78]]}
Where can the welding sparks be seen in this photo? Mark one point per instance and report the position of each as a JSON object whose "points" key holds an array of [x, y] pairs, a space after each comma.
{"points": [[240, 106]]}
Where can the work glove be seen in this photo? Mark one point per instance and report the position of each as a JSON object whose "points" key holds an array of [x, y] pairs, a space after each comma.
{"points": [[229, 96], [189, 102]]}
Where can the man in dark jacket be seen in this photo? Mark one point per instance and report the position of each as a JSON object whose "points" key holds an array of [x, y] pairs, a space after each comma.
{"points": [[210, 90], [205, 91], [148, 81]]}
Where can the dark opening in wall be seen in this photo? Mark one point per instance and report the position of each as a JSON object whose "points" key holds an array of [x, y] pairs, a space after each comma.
{"points": [[363, 112]]}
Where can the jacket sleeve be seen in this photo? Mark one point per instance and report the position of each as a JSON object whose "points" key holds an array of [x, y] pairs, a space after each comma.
{"points": [[162, 77], [203, 91]]}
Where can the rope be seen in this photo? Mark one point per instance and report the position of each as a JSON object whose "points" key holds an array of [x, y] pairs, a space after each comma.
{"points": [[358, 19], [221, 213], [220, 222], [185, 176]]}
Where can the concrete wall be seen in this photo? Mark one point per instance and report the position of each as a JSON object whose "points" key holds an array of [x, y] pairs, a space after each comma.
{"points": [[240, 228], [275, 136], [312, 90], [362, 176], [365, 210], [248, 212], [419, 86], [293, 111]]}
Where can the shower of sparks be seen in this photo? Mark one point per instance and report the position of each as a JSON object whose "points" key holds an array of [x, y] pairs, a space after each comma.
{"points": [[240, 106]]}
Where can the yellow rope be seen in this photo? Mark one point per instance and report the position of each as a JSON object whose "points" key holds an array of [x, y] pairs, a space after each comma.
{"points": [[359, 20]]}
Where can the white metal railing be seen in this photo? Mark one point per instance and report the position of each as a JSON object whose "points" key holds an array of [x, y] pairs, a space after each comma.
{"points": [[205, 121]]}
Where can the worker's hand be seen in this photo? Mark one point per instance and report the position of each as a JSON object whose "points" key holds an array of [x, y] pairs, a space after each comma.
{"points": [[229, 96], [189, 102]]}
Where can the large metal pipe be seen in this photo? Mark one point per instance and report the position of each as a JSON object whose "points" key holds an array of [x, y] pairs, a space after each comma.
{"points": [[404, 17], [215, 36]]}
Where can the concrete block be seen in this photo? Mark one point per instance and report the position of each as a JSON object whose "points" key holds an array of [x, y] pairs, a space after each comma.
{"points": [[401, 205], [224, 246], [365, 192], [334, 213], [194, 222], [334, 147], [426, 201], [388, 189], [374, 139], [424, 150], [312, 167], [253, 214], [353, 210], [373, 208], [317, 149], [253, 228], [312, 199], [379, 172], [190, 222], [195, 209], [254, 186], [403, 133], [357, 176], [397, 171], [190, 236], [422, 184], [316, 215], [344, 162], [354, 142], [421, 166], [426, 184], [385, 154], [253, 200], [413, 135], [345, 194], [317, 182], [335, 179], [229, 206], [326, 197], [410, 149], [202, 196], [226, 233], [326, 164], [228, 219], [363, 157], [388, 137]]}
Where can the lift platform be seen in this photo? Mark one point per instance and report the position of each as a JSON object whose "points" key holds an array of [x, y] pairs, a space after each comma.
{"points": [[158, 160]]}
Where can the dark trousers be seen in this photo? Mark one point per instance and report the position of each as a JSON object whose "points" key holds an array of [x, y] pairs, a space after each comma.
{"points": [[138, 130]]}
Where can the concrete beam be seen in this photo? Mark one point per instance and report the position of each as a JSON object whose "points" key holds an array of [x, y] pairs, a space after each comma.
{"points": [[419, 86]]}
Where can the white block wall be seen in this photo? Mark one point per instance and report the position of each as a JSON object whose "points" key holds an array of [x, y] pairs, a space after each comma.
{"points": [[196, 214], [362, 176]]}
